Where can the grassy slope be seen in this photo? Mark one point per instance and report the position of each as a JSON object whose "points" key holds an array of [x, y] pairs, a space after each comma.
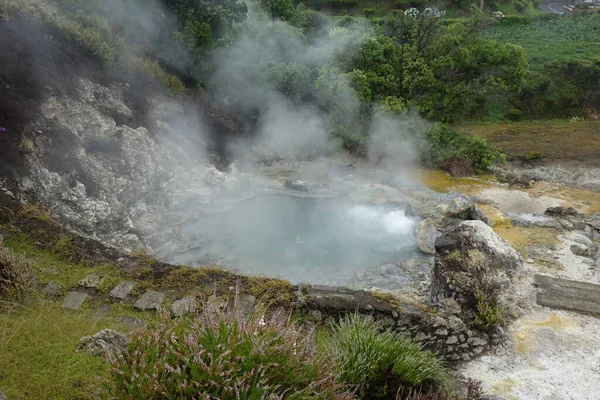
{"points": [[552, 40], [555, 140]]}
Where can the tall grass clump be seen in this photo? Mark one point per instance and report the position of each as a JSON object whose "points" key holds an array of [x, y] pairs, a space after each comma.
{"points": [[378, 363], [16, 276], [225, 354]]}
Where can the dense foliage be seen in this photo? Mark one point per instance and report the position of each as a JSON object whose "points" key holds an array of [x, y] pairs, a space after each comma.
{"points": [[379, 363], [225, 354]]}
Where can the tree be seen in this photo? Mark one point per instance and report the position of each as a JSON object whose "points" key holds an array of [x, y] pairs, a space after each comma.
{"points": [[282, 9]]}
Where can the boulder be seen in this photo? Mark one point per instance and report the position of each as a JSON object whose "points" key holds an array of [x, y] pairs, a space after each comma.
{"points": [[479, 236], [561, 211], [183, 306], [107, 342], [579, 250], [428, 233], [461, 207], [122, 290], [74, 300], [51, 289], [150, 301]]}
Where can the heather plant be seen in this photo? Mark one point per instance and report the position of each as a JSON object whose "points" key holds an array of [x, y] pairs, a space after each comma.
{"points": [[379, 363], [16, 276], [225, 354]]}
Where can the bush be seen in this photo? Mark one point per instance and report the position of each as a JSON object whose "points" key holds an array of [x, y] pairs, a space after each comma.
{"points": [[369, 12], [514, 114], [16, 276], [171, 82], [520, 5], [224, 354], [381, 363], [441, 144]]}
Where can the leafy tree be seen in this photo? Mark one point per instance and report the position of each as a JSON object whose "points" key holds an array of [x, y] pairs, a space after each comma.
{"points": [[282, 9]]}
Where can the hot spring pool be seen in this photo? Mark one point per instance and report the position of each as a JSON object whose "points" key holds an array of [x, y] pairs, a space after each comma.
{"points": [[303, 240]]}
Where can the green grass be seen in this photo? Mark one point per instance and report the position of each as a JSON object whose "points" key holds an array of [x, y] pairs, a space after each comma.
{"points": [[51, 266], [38, 355], [549, 39]]}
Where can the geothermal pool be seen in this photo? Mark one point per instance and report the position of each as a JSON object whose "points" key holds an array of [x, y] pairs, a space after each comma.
{"points": [[300, 239]]}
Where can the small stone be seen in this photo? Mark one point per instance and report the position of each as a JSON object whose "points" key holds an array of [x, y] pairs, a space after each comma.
{"points": [[582, 240], [183, 306], [579, 250], [246, 302], [51, 289], [102, 311], [107, 343], [477, 350], [421, 337], [150, 301], [455, 324], [462, 338], [530, 261], [455, 357], [566, 224], [452, 340], [122, 290], [92, 281], [74, 300], [316, 315], [441, 332], [132, 322], [465, 357], [439, 322], [476, 342]]}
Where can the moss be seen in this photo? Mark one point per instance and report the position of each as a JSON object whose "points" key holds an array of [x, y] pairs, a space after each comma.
{"points": [[33, 211], [270, 291]]}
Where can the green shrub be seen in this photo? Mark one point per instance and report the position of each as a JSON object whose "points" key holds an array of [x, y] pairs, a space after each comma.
{"points": [[171, 82], [514, 114], [369, 12], [224, 354], [16, 276], [534, 155], [379, 363], [441, 143], [520, 5]]}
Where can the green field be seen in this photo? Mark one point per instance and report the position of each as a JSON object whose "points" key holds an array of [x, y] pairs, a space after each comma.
{"points": [[549, 39]]}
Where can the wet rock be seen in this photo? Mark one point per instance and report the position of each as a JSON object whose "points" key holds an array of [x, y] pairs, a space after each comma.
{"points": [[107, 342], [533, 220], [561, 211], [150, 301], [92, 281], [74, 300], [390, 270], [579, 250], [132, 322], [428, 233], [183, 306], [122, 290], [566, 224], [51, 289]]}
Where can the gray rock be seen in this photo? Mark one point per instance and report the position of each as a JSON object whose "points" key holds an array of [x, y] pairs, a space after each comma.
{"points": [[452, 340], [566, 224], [561, 211], [150, 301], [51, 289], [534, 220], [579, 250], [479, 236], [102, 311], [92, 281], [246, 302], [183, 306], [107, 342], [456, 324], [74, 300], [316, 315], [582, 239], [442, 332], [3, 396], [132, 322], [390, 270], [427, 236], [122, 290], [478, 342]]}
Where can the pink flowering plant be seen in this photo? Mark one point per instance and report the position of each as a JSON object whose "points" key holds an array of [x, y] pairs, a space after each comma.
{"points": [[225, 354]]}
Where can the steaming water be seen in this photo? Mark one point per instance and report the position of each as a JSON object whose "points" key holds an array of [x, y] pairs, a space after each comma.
{"points": [[303, 240]]}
